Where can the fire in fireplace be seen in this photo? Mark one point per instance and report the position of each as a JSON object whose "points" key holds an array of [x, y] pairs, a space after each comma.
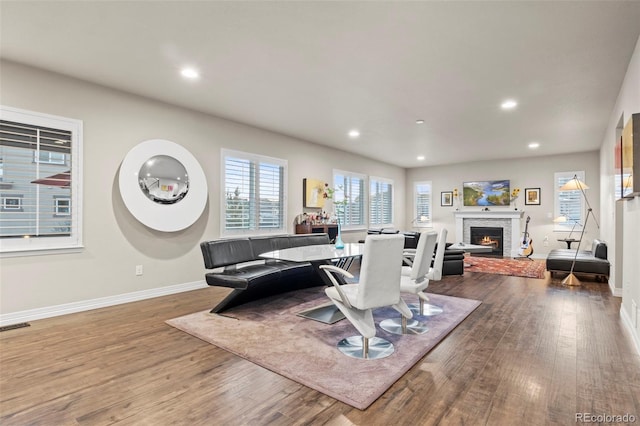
{"points": [[488, 236]]}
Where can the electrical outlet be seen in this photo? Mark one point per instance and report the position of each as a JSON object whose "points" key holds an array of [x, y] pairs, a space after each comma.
{"points": [[545, 242], [139, 270]]}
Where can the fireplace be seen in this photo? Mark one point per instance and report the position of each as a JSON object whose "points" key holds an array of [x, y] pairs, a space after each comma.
{"points": [[509, 220], [488, 236]]}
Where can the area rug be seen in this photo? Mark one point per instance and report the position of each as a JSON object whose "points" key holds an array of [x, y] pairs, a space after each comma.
{"points": [[505, 266], [269, 333]]}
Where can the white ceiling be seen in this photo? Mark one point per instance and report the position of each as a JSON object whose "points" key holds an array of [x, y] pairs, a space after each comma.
{"points": [[315, 70]]}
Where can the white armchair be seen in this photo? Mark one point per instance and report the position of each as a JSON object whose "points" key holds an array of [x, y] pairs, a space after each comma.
{"points": [[434, 274], [416, 282], [378, 286]]}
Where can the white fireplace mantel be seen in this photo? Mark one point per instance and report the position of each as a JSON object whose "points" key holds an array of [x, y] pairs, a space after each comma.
{"points": [[511, 218]]}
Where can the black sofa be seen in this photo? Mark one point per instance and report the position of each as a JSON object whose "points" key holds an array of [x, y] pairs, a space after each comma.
{"points": [[590, 262], [237, 265], [453, 263]]}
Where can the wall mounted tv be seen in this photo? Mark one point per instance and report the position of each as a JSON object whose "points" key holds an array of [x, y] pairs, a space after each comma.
{"points": [[486, 193]]}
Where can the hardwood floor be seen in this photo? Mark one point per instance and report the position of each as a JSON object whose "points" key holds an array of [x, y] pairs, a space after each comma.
{"points": [[533, 353]]}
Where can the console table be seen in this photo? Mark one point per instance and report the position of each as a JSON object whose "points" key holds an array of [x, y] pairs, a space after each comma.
{"points": [[326, 228]]}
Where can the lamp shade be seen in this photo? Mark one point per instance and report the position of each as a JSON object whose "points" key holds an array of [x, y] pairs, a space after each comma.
{"points": [[560, 219], [573, 185]]}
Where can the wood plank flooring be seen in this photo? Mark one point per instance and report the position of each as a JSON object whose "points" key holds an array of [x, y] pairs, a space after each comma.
{"points": [[534, 353]]}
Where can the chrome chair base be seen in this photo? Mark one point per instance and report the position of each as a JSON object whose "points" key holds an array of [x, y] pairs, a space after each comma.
{"points": [[395, 326], [428, 310], [356, 347]]}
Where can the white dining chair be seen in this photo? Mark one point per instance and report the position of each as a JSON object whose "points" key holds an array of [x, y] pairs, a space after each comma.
{"points": [[378, 286]]}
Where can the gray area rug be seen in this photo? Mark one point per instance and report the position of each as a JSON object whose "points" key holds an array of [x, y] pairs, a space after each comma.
{"points": [[269, 333]]}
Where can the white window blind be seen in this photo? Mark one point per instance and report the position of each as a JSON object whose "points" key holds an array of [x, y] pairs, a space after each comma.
{"points": [[254, 193], [349, 198], [422, 203], [40, 183], [568, 203], [380, 202]]}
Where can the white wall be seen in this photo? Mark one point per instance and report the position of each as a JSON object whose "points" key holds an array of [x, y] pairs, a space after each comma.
{"points": [[115, 242], [628, 103], [533, 172]]}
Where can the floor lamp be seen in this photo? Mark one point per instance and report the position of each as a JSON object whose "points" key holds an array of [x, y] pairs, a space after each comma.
{"points": [[562, 219], [573, 185]]}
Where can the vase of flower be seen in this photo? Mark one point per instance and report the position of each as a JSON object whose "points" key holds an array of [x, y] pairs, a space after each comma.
{"points": [[339, 242]]}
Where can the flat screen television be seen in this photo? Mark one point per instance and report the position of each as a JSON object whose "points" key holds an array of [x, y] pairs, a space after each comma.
{"points": [[486, 193]]}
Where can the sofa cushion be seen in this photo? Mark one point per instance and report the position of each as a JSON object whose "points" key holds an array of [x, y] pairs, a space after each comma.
{"points": [[308, 239], [586, 262], [599, 249], [261, 245], [241, 277], [219, 253]]}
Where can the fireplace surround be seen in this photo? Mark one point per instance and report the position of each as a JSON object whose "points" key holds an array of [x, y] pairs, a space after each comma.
{"points": [[509, 220]]}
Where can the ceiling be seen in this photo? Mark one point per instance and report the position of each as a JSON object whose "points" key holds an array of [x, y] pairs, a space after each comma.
{"points": [[315, 70]]}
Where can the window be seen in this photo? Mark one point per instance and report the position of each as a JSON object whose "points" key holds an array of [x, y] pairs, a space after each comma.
{"points": [[41, 181], [380, 202], [568, 203], [349, 199], [61, 206], [49, 157], [11, 202], [422, 204], [254, 194]]}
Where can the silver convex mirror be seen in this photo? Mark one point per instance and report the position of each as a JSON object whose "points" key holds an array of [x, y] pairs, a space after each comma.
{"points": [[154, 179], [163, 179]]}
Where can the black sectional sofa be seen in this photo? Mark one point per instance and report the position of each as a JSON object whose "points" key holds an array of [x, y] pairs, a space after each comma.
{"points": [[236, 264], [591, 262], [453, 263]]}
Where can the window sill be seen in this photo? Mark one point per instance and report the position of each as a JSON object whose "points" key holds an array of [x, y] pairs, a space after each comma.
{"points": [[41, 252]]}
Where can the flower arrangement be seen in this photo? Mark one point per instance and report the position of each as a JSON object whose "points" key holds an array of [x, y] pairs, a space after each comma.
{"points": [[456, 197], [515, 193], [514, 196], [339, 206], [328, 192]]}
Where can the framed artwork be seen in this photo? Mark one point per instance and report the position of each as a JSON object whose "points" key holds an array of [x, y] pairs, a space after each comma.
{"points": [[446, 198], [312, 193], [532, 196]]}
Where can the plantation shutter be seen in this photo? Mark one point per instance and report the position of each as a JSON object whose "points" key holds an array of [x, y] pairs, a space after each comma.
{"points": [[422, 203], [569, 203], [35, 181], [254, 193], [350, 190], [380, 202]]}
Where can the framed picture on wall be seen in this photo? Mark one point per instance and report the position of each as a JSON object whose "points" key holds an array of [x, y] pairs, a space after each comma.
{"points": [[446, 198], [532, 196], [312, 193]]}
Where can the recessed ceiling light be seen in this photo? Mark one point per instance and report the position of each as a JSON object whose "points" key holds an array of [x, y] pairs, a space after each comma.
{"points": [[354, 134], [420, 157], [419, 121], [534, 145], [509, 104], [189, 73]]}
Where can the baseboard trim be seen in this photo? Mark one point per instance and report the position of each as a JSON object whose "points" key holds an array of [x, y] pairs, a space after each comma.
{"points": [[629, 326], [615, 291], [102, 302]]}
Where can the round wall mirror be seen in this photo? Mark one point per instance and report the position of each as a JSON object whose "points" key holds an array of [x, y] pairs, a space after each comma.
{"points": [[163, 179], [163, 185]]}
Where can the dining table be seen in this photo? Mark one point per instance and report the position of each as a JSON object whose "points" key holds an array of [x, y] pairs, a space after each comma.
{"points": [[318, 255]]}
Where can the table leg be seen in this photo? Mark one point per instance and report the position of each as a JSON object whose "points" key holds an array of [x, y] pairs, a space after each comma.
{"points": [[327, 313]]}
